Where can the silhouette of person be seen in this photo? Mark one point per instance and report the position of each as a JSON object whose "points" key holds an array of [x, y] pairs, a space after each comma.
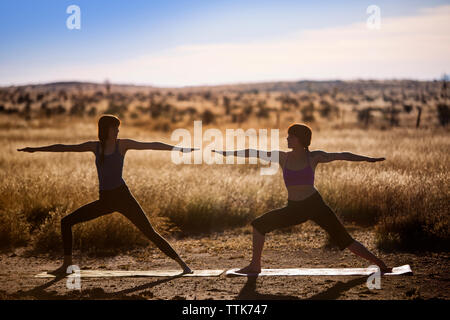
{"points": [[304, 201], [114, 194]]}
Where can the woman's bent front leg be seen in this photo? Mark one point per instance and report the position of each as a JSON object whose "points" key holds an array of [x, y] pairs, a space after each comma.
{"points": [[85, 213], [269, 221], [258, 244]]}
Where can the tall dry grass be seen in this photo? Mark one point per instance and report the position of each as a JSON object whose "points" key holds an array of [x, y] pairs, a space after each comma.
{"points": [[405, 197]]}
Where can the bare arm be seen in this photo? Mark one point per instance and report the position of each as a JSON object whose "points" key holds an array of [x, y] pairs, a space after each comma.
{"points": [[252, 153], [323, 157], [82, 147], [137, 145]]}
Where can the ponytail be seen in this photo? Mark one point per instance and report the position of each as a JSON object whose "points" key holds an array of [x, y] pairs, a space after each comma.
{"points": [[102, 148]]}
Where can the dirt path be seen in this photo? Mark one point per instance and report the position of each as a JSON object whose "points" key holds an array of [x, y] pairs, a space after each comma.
{"points": [[230, 250]]}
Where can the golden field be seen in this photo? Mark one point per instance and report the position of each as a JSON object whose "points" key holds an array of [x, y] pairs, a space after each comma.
{"points": [[405, 198]]}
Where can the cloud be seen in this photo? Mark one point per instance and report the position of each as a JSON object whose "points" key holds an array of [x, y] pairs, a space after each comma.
{"points": [[404, 47]]}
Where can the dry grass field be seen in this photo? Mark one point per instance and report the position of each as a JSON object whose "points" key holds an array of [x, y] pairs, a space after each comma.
{"points": [[399, 207]]}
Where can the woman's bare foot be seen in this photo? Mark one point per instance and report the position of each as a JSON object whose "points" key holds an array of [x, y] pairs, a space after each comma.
{"points": [[60, 271], [63, 269], [184, 266], [250, 269], [187, 270], [385, 269]]}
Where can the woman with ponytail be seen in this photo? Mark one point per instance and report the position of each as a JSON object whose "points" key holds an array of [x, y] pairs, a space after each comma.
{"points": [[304, 201], [114, 194]]}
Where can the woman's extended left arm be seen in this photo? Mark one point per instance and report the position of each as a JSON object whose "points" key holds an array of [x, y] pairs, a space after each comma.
{"points": [[323, 157], [82, 147], [274, 155], [137, 145]]}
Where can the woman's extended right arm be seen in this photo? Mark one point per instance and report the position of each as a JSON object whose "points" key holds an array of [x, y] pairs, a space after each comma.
{"points": [[261, 154], [82, 147]]}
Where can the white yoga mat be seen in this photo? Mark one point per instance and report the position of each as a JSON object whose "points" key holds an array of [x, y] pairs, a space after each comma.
{"points": [[405, 269], [126, 273]]}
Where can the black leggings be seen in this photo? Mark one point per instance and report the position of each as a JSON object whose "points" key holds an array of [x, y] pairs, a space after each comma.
{"points": [[121, 200], [296, 212]]}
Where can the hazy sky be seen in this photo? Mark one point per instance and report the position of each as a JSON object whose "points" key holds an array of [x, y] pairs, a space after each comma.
{"points": [[177, 43]]}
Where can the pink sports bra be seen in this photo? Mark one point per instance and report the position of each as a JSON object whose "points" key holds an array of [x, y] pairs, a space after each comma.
{"points": [[304, 176]]}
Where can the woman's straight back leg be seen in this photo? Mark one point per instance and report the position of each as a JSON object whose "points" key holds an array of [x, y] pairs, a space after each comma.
{"points": [[327, 219], [131, 209]]}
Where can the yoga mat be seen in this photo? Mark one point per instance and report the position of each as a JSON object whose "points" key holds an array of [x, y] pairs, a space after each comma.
{"points": [[405, 269], [126, 273]]}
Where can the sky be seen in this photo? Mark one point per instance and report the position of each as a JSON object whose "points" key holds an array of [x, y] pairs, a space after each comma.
{"points": [[186, 43]]}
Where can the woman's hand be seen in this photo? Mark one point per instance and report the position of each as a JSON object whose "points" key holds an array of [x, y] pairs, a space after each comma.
{"points": [[375, 159], [185, 150], [229, 153], [27, 149]]}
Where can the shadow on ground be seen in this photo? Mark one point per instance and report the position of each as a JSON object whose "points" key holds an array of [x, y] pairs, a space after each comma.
{"points": [[248, 292]]}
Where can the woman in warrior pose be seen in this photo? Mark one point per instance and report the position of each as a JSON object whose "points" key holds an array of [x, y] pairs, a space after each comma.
{"points": [[304, 201], [114, 194]]}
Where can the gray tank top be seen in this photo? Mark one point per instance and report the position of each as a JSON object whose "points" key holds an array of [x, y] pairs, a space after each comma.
{"points": [[110, 171]]}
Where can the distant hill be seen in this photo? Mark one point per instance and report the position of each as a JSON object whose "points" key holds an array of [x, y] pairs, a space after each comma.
{"points": [[280, 86], [84, 86]]}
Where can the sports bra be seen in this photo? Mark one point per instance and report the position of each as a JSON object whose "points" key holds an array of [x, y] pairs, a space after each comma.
{"points": [[303, 176]]}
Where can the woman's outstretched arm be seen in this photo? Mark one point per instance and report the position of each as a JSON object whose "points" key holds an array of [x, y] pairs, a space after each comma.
{"points": [[323, 157], [253, 153], [82, 147], [137, 145]]}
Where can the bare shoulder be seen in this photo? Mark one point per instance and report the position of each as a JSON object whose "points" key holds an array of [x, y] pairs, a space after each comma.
{"points": [[128, 142], [282, 157], [123, 142], [317, 153], [124, 145], [283, 154], [317, 156], [91, 145]]}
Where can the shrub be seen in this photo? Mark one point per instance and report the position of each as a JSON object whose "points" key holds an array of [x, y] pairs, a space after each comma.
{"points": [[208, 117], [116, 109], [205, 214], [92, 112], [443, 113], [308, 112], [14, 230]]}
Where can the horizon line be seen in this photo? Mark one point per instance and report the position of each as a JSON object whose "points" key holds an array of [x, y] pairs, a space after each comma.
{"points": [[34, 84]]}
